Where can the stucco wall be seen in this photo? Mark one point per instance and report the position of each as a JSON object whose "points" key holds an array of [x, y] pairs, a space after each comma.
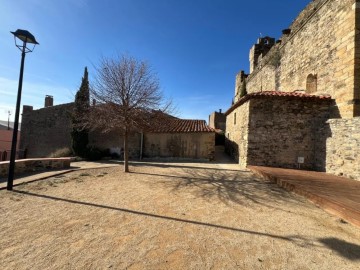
{"points": [[342, 152], [5, 142], [323, 42], [180, 145], [46, 130], [236, 134], [114, 141]]}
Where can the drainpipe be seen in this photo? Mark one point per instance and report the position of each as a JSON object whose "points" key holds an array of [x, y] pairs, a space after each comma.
{"points": [[141, 144]]}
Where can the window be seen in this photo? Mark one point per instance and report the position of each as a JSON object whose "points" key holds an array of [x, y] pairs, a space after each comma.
{"points": [[311, 83], [234, 118]]}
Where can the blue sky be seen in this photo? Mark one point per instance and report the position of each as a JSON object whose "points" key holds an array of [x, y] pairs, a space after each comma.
{"points": [[196, 47]]}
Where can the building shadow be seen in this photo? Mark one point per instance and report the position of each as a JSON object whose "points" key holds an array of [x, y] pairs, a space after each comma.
{"points": [[180, 165], [344, 249], [295, 239]]}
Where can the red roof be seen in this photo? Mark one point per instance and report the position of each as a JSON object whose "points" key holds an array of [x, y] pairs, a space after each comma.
{"points": [[276, 94], [182, 126]]}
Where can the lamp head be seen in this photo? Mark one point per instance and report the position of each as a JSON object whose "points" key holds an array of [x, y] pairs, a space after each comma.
{"points": [[25, 36]]}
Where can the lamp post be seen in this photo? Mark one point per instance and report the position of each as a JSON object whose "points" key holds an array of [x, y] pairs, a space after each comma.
{"points": [[27, 38]]}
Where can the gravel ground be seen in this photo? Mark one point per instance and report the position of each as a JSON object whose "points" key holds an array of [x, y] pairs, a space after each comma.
{"points": [[169, 216]]}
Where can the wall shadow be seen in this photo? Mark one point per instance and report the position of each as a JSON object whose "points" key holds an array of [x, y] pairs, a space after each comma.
{"points": [[344, 249], [295, 239], [321, 131]]}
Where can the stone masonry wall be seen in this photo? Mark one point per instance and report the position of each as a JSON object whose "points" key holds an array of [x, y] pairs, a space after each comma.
{"points": [[31, 165], [323, 42], [46, 130], [342, 150], [236, 141], [180, 145], [217, 120], [263, 80], [281, 130]]}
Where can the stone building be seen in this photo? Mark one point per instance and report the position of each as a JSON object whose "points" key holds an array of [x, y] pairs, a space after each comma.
{"points": [[303, 105], [48, 130], [217, 120]]}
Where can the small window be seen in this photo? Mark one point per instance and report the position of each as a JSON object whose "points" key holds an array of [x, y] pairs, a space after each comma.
{"points": [[234, 118], [311, 83]]}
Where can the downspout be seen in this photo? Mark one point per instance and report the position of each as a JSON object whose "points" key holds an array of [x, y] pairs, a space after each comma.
{"points": [[141, 144]]}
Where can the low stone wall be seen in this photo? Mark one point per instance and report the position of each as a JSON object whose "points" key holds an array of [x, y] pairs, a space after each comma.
{"points": [[342, 138], [36, 164]]}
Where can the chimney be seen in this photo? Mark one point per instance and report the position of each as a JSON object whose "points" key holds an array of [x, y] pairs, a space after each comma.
{"points": [[286, 31], [49, 101], [27, 108]]}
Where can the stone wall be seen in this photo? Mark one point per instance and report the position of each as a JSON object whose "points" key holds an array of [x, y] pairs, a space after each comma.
{"points": [[180, 145], [323, 42], [342, 151], [46, 130], [281, 130], [32, 165], [217, 120], [237, 129], [263, 80]]}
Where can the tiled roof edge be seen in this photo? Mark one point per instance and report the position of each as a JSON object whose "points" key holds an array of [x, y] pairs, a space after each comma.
{"points": [[276, 94]]}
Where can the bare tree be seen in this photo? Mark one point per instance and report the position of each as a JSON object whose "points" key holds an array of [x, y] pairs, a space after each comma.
{"points": [[127, 94]]}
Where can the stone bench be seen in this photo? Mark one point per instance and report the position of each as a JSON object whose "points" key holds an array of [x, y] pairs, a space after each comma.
{"points": [[35, 164]]}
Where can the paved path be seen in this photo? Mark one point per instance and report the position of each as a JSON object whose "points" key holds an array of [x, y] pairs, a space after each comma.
{"points": [[79, 165], [337, 195]]}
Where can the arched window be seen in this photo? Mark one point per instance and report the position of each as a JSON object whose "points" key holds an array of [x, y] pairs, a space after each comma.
{"points": [[311, 83]]}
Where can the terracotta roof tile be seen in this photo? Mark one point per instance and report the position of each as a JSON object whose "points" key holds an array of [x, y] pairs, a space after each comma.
{"points": [[182, 126], [276, 94]]}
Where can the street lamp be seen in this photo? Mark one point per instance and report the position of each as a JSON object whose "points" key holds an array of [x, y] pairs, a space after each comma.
{"points": [[27, 38]]}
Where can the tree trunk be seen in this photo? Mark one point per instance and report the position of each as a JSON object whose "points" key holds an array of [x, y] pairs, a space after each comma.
{"points": [[126, 151]]}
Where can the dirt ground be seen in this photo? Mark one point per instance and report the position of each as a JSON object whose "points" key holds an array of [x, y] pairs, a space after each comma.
{"points": [[168, 216]]}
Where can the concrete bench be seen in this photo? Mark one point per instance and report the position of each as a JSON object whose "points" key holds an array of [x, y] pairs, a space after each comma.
{"points": [[35, 164]]}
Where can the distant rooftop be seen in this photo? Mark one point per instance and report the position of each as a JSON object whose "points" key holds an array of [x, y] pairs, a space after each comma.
{"points": [[182, 126]]}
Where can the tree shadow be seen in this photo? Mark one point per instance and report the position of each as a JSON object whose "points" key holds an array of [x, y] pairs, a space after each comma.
{"points": [[347, 250], [240, 187], [180, 165]]}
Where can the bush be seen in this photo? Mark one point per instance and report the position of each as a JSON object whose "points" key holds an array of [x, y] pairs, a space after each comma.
{"points": [[93, 153]]}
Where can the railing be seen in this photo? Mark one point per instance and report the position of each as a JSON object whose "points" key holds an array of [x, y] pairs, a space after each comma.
{"points": [[5, 154]]}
